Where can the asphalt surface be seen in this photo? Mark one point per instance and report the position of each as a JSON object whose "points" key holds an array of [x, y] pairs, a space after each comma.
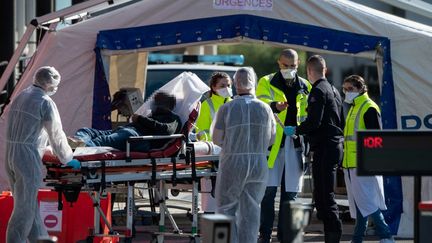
{"points": [[146, 225]]}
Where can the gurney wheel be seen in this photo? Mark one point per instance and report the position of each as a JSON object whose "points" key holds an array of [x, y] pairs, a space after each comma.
{"points": [[89, 239], [127, 240], [154, 239], [189, 216], [194, 240], [175, 192]]}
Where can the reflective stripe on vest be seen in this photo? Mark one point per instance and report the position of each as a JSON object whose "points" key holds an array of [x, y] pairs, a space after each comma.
{"points": [[353, 124], [272, 94], [212, 109], [356, 123], [207, 115]]}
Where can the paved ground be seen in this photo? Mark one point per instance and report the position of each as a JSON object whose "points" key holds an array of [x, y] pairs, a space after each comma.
{"points": [[312, 233]]}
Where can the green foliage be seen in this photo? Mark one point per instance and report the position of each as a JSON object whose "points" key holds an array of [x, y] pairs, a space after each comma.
{"points": [[263, 58]]}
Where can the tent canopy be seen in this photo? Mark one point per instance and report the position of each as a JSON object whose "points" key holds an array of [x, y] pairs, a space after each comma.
{"points": [[338, 26]]}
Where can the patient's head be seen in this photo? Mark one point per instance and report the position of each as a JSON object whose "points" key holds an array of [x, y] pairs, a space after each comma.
{"points": [[164, 101]]}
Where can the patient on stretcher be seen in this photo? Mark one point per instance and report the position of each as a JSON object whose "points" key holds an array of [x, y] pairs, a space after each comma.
{"points": [[161, 121]]}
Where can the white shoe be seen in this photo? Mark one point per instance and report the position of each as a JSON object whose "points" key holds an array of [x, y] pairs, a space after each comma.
{"points": [[387, 240], [75, 142]]}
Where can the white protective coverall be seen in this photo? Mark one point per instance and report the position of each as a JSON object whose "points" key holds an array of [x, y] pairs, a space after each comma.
{"points": [[244, 128], [33, 119]]}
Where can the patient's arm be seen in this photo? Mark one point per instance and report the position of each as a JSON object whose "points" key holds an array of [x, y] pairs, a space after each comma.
{"points": [[162, 124]]}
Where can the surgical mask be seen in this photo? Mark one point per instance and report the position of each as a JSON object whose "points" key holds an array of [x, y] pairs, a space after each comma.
{"points": [[288, 73], [350, 96], [225, 92], [52, 91]]}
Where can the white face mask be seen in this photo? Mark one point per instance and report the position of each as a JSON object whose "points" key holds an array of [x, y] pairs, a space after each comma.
{"points": [[288, 73], [350, 96], [52, 91], [225, 92]]}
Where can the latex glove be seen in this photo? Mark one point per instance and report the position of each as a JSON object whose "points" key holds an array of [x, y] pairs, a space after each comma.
{"points": [[75, 164], [289, 130]]}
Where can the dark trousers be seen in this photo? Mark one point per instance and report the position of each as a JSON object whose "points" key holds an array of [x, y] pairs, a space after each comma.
{"points": [[325, 159], [268, 209], [113, 138]]}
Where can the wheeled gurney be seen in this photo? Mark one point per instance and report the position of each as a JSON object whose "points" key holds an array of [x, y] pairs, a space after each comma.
{"points": [[117, 172]]}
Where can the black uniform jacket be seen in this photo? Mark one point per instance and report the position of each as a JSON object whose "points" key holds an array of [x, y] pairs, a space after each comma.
{"points": [[161, 122], [290, 94], [325, 121]]}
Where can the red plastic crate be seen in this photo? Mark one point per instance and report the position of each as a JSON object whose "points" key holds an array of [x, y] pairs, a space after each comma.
{"points": [[6, 206], [70, 225]]}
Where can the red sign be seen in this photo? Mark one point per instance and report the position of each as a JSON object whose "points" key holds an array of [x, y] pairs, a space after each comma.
{"points": [[373, 142], [50, 221]]}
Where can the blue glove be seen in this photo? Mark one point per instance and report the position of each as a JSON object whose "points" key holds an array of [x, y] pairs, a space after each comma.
{"points": [[75, 164], [289, 130]]}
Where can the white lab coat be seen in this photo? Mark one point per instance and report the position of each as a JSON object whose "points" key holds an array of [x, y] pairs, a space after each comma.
{"points": [[367, 192], [287, 157]]}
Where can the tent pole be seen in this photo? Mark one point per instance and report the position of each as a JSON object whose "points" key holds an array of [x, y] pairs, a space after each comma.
{"points": [[69, 10], [15, 58], [36, 22]]}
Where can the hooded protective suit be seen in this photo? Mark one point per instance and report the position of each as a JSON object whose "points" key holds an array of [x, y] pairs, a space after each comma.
{"points": [[33, 119], [244, 128]]}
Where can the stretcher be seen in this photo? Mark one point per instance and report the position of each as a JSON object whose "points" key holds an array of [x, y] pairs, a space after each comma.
{"points": [[118, 172]]}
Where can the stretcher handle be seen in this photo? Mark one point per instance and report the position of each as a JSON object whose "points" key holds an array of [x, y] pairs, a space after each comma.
{"points": [[135, 139], [141, 138]]}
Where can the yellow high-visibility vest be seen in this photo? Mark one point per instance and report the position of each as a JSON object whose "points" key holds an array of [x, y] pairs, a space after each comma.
{"points": [[354, 123], [268, 93], [207, 113]]}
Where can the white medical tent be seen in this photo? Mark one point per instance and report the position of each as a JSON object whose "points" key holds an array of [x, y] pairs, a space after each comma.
{"points": [[85, 52]]}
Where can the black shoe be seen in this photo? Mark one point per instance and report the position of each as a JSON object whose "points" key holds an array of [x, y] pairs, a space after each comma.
{"points": [[332, 237], [262, 239]]}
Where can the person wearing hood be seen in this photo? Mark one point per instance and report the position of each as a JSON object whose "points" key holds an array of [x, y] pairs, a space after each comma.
{"points": [[161, 121], [33, 121], [286, 93], [365, 193], [244, 128]]}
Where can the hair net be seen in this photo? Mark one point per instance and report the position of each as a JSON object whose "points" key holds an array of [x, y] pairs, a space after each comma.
{"points": [[245, 78], [46, 77], [32, 121], [244, 128]]}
